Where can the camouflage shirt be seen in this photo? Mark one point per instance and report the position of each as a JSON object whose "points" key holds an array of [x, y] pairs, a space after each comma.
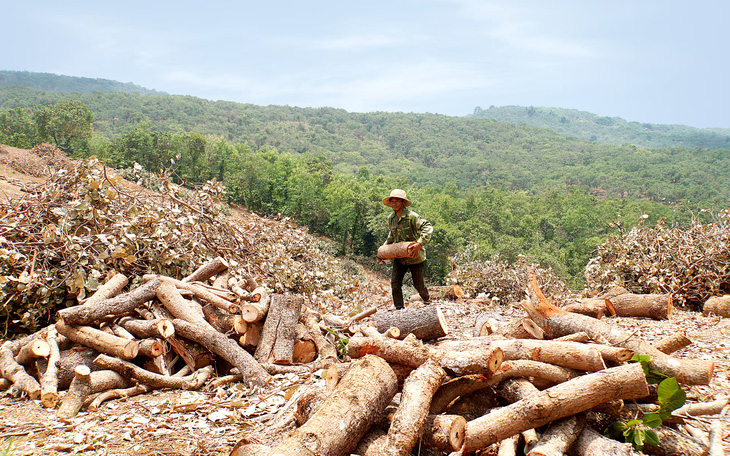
{"points": [[409, 227]]}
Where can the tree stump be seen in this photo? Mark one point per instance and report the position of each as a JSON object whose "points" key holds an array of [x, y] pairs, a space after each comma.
{"points": [[425, 323]]}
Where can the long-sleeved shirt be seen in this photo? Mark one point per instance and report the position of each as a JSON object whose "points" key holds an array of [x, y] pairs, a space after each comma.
{"points": [[409, 227]]}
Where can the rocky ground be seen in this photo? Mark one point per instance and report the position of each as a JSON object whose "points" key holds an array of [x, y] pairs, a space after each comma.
{"points": [[213, 420]]}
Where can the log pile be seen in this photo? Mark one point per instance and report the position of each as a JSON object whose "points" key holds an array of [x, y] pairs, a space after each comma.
{"points": [[401, 381]]}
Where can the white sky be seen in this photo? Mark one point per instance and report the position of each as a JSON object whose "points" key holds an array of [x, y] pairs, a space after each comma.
{"points": [[657, 61]]}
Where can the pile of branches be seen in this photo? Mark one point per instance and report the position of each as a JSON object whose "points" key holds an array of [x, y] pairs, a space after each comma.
{"points": [[84, 224], [500, 281], [692, 263]]}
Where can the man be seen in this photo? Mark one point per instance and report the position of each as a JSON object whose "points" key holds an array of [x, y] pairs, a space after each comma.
{"points": [[404, 225]]}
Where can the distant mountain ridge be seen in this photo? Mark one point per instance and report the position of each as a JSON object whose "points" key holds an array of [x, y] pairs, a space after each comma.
{"points": [[608, 130], [50, 82]]}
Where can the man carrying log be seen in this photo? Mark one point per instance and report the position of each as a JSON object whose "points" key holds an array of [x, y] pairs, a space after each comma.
{"points": [[404, 225]]}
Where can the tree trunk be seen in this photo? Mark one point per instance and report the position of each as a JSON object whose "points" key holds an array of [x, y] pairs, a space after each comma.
{"points": [[594, 308], [410, 352], [425, 323], [409, 418], [457, 387], [226, 348], [567, 354], [356, 404], [484, 361], [717, 305], [99, 340], [558, 322], [568, 398], [207, 270], [120, 305], [397, 250], [277, 339], [304, 350]]}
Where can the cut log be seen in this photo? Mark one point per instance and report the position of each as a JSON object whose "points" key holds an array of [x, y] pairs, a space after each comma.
{"points": [[567, 354], [446, 293], [717, 305], [130, 370], [151, 348], [199, 292], [277, 338], [49, 376], [568, 398], [15, 372], [207, 270], [508, 446], [445, 432], [108, 290], [370, 331], [655, 306], [180, 307], [591, 307], [716, 437], [325, 349], [484, 324], [425, 323], [457, 387], [69, 360], [521, 328], [226, 348], [99, 340], [138, 389], [356, 404], [409, 418], [143, 329], [304, 350], [559, 436], [77, 393], [409, 352], [672, 343], [557, 322], [592, 443], [33, 350], [258, 306], [250, 339], [397, 250], [484, 361], [223, 321], [118, 306]]}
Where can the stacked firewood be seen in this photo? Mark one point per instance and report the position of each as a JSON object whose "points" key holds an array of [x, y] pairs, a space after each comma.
{"points": [[492, 394]]}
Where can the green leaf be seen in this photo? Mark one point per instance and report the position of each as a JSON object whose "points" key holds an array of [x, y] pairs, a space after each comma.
{"points": [[671, 396], [652, 420], [651, 438]]}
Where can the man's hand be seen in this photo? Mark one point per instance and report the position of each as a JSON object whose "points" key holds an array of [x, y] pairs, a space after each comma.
{"points": [[414, 248]]}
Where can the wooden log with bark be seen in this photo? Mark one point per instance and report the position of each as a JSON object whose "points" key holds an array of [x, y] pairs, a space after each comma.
{"points": [[558, 436], [445, 293], [118, 306], [557, 322], [520, 328], [396, 250], [33, 350], [13, 371], [143, 329], [49, 375], [258, 305], [592, 443], [208, 270], [223, 321], [591, 307], [565, 399], [99, 340], [655, 306], [304, 349], [407, 424], [279, 332], [178, 306], [672, 343], [130, 370], [444, 432], [226, 348], [108, 290], [77, 393], [717, 305], [356, 404], [199, 292], [425, 323]]}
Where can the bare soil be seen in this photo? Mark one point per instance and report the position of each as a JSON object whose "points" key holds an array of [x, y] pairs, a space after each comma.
{"points": [[212, 421]]}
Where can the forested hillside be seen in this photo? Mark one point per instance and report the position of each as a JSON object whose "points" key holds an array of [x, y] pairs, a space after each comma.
{"points": [[494, 191], [59, 83], [608, 130]]}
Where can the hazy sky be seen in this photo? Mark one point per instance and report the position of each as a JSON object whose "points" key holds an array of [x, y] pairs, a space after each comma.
{"points": [[657, 61]]}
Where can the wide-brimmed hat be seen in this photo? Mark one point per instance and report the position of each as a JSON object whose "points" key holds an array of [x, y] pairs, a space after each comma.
{"points": [[397, 193]]}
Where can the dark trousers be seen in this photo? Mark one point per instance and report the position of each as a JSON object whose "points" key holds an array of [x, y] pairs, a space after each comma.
{"points": [[396, 281]]}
